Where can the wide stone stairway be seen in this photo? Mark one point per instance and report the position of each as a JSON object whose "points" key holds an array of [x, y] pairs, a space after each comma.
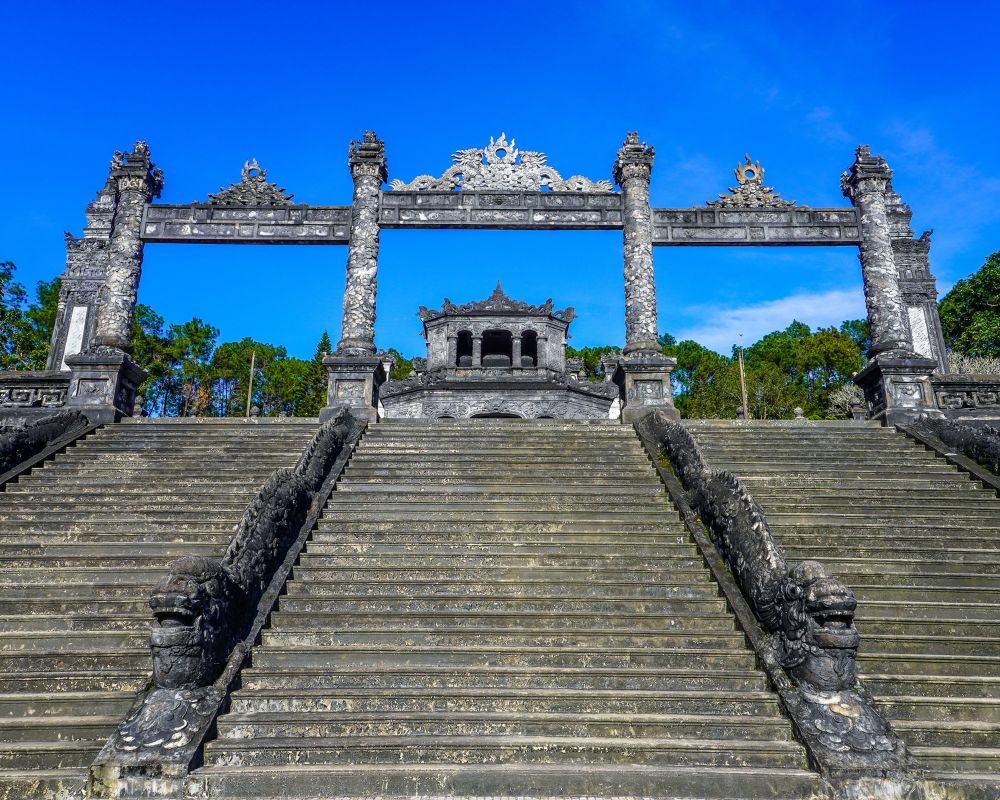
{"points": [[82, 540], [496, 608], [919, 543]]}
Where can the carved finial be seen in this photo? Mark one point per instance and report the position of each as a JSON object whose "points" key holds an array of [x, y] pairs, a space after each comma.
{"points": [[252, 190], [868, 173], [750, 191], [635, 159]]}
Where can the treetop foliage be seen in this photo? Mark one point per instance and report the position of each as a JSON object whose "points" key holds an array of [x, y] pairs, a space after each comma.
{"points": [[970, 312]]}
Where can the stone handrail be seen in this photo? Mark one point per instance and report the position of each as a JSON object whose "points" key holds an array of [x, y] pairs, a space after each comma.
{"points": [[20, 442], [806, 613], [981, 443], [207, 613]]}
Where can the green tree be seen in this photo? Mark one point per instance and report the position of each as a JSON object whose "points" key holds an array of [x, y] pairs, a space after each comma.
{"points": [[316, 395], [970, 312], [229, 374], [591, 358], [25, 329], [401, 367]]}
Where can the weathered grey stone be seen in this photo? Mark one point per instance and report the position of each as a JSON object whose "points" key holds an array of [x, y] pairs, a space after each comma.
{"points": [[136, 181], [632, 172], [525, 372], [368, 169]]}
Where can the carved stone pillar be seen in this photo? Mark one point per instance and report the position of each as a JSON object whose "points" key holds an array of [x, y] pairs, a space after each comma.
{"points": [[137, 181], [452, 350], [368, 169], [354, 382], [515, 351], [632, 172], [81, 283], [104, 379], [477, 351], [866, 184], [896, 380]]}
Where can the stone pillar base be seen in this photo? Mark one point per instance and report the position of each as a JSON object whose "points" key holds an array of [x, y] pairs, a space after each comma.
{"points": [[645, 380], [353, 381], [898, 388], [103, 384]]}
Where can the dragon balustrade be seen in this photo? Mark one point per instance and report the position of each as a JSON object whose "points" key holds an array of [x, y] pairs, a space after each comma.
{"points": [[20, 442], [208, 612], [981, 443], [805, 612]]}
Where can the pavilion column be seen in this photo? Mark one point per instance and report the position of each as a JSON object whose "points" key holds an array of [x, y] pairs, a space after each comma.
{"points": [[104, 378], [896, 381], [354, 371], [477, 350], [644, 372], [452, 349], [632, 172], [368, 169], [515, 350]]}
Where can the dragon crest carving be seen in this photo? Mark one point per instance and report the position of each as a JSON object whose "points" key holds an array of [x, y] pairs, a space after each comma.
{"points": [[750, 191], [252, 190], [500, 165]]}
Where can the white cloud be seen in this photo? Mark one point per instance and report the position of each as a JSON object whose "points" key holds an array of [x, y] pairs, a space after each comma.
{"points": [[719, 327]]}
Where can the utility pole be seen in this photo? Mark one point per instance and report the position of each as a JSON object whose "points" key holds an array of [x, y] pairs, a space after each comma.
{"points": [[253, 362], [743, 383]]}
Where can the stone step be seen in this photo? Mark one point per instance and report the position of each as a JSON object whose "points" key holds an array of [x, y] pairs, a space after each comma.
{"points": [[80, 680], [504, 750], [491, 574], [63, 704], [949, 734], [401, 701], [394, 782], [327, 724], [963, 560], [953, 686], [337, 511], [49, 755], [137, 622], [328, 553], [964, 759], [474, 620], [65, 729], [325, 567], [484, 636], [520, 585], [479, 677], [340, 540], [483, 655], [623, 526], [585, 482]]}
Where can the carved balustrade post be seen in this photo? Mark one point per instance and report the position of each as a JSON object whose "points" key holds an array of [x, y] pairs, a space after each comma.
{"points": [[896, 381], [105, 379], [644, 370]]}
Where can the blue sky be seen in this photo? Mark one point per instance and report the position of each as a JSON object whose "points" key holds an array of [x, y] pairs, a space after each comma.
{"points": [[798, 86]]}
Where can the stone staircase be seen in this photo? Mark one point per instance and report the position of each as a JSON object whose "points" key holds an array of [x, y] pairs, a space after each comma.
{"points": [[919, 543], [502, 608], [83, 538]]}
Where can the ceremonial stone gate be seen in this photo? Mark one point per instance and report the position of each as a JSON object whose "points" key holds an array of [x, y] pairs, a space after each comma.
{"points": [[496, 187]]}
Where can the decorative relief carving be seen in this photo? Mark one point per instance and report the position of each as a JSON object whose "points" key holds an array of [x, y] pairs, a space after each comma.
{"points": [[252, 190], [750, 191], [500, 165]]}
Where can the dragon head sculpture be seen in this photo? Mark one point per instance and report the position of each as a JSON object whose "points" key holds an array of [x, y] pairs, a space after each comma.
{"points": [[191, 638], [817, 641]]}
